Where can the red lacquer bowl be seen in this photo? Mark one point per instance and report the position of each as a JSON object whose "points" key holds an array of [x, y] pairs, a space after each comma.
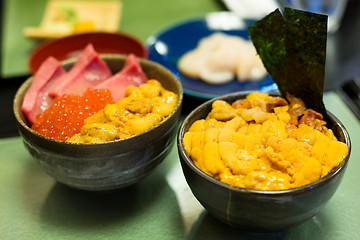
{"points": [[70, 46]]}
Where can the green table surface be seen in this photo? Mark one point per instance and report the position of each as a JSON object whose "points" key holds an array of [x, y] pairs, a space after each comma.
{"points": [[161, 206]]}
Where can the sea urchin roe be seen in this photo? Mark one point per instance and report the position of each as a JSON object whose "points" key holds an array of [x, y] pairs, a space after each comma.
{"points": [[261, 143], [142, 108], [66, 115]]}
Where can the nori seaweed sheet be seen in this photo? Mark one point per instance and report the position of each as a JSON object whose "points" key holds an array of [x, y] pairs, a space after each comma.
{"points": [[293, 50], [306, 35], [268, 37]]}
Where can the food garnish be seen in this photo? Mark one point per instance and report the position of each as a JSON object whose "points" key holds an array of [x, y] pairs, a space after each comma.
{"points": [[66, 115], [293, 50]]}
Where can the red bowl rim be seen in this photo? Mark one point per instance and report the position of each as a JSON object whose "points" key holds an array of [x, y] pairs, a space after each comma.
{"points": [[77, 42]]}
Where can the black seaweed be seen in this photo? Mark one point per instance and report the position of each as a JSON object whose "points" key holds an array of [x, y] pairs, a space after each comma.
{"points": [[293, 50]]}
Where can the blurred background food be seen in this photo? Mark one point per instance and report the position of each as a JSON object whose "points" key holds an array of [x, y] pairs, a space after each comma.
{"points": [[65, 17], [219, 57]]}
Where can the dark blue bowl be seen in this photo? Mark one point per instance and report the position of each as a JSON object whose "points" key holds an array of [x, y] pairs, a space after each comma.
{"points": [[256, 210]]}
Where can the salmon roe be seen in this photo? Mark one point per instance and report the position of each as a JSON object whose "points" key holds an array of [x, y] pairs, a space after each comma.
{"points": [[66, 115]]}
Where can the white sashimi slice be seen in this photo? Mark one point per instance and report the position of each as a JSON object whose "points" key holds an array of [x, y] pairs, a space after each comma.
{"points": [[191, 62], [218, 77], [218, 58], [225, 56], [250, 66], [212, 42]]}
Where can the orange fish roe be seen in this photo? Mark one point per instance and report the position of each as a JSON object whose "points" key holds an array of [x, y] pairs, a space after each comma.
{"points": [[66, 115]]}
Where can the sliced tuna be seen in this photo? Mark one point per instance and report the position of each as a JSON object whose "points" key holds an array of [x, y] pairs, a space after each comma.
{"points": [[88, 71], [131, 74], [36, 99]]}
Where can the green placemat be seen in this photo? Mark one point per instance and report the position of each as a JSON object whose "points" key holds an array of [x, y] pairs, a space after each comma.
{"points": [[161, 206]]}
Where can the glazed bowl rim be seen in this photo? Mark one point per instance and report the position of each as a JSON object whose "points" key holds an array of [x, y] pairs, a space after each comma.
{"points": [[26, 84], [285, 192]]}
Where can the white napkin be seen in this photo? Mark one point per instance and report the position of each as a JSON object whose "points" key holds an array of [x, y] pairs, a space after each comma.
{"points": [[255, 9]]}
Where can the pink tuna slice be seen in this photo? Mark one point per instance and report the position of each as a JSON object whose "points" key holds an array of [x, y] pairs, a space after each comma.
{"points": [[88, 71], [131, 74], [36, 99]]}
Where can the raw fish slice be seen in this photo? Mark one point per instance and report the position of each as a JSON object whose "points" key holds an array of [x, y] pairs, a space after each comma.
{"points": [[249, 65], [88, 71], [131, 74], [221, 63], [218, 58], [216, 77], [191, 63], [36, 99], [225, 55], [194, 61]]}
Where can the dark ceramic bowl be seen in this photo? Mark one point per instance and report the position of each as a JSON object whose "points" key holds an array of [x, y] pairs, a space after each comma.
{"points": [[110, 165], [256, 210]]}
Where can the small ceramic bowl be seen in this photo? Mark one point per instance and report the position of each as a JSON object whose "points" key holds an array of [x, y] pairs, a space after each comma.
{"points": [[256, 210], [70, 46], [110, 165]]}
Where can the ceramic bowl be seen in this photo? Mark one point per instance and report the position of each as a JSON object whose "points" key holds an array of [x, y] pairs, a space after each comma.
{"points": [[70, 46], [110, 165], [256, 210]]}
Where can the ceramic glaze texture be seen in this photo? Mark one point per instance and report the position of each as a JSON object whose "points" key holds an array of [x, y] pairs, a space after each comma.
{"points": [[110, 165], [257, 210]]}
